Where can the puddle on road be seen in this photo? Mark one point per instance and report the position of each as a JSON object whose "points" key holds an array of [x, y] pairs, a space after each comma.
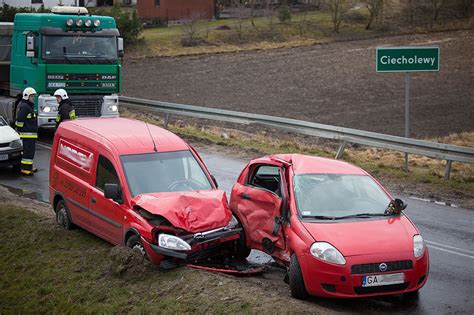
{"points": [[22, 192]]}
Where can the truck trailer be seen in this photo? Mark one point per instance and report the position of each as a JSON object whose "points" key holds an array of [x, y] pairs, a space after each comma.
{"points": [[67, 48]]}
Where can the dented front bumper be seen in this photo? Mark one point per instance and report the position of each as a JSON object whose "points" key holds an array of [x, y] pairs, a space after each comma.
{"points": [[200, 243]]}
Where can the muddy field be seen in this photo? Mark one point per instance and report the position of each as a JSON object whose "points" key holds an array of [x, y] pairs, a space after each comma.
{"points": [[332, 84]]}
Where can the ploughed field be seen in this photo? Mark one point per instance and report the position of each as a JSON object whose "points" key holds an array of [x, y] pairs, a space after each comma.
{"points": [[333, 83]]}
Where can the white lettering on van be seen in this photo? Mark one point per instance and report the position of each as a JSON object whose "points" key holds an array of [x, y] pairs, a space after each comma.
{"points": [[81, 159]]}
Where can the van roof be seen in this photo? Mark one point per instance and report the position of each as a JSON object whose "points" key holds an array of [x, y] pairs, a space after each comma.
{"points": [[128, 136]]}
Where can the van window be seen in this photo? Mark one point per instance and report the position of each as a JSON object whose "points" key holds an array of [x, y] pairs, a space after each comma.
{"points": [[106, 173]]}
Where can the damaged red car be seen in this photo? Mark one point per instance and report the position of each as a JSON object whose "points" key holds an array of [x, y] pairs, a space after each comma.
{"points": [[338, 232], [138, 185]]}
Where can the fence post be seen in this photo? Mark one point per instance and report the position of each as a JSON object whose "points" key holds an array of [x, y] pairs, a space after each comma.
{"points": [[167, 120], [447, 171], [340, 151]]}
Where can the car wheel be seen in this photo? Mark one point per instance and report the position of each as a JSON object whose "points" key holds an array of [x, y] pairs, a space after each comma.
{"points": [[135, 243], [297, 288], [62, 216]]}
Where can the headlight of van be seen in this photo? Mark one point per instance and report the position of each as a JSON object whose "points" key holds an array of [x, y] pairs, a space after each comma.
{"points": [[15, 144], [418, 246], [172, 242], [326, 252]]}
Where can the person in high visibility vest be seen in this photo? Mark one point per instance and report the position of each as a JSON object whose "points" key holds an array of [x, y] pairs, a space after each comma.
{"points": [[66, 109], [27, 126]]}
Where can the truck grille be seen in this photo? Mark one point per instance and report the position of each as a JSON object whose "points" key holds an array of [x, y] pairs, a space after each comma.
{"points": [[374, 267], [87, 106]]}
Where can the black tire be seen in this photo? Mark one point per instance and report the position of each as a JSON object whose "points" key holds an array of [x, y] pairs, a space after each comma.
{"points": [[297, 288], [63, 218], [135, 243]]}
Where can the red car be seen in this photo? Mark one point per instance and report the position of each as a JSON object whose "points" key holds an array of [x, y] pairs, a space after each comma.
{"points": [[338, 232], [138, 185]]}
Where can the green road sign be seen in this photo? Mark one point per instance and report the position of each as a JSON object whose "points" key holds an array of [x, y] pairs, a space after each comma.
{"points": [[407, 59]]}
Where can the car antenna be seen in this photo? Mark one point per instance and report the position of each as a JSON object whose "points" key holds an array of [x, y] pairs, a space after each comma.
{"points": [[152, 140]]}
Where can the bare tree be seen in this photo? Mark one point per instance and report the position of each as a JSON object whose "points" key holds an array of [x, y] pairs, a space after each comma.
{"points": [[437, 5], [191, 27], [243, 14], [410, 8], [375, 8], [338, 8], [465, 7]]}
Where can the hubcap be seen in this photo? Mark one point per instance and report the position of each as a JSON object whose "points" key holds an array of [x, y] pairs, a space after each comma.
{"points": [[139, 247]]}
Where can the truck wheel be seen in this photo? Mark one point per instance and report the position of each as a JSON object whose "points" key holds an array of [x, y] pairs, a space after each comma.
{"points": [[135, 243], [297, 288], [62, 216]]}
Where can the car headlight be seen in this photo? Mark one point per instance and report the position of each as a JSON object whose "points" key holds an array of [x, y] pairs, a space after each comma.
{"points": [[418, 246], [16, 144], [112, 108], [172, 242], [232, 223], [49, 109], [327, 252]]}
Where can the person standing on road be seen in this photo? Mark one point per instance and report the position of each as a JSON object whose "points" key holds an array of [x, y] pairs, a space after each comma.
{"points": [[27, 126], [66, 109]]}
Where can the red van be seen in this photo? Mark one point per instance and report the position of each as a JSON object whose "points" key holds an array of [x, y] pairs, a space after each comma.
{"points": [[137, 185]]}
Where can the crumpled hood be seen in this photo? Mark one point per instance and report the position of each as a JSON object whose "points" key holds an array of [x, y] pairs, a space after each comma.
{"points": [[365, 237], [194, 211]]}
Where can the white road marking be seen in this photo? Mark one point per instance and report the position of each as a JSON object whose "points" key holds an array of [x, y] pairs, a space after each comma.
{"points": [[450, 251], [452, 247]]}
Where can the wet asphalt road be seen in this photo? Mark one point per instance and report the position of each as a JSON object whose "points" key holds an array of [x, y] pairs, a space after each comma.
{"points": [[448, 231]]}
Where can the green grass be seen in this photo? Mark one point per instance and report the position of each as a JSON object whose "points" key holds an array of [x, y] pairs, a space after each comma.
{"points": [[257, 33], [45, 269]]}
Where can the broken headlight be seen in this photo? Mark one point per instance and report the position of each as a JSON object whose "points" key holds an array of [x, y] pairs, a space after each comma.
{"points": [[172, 242], [232, 223]]}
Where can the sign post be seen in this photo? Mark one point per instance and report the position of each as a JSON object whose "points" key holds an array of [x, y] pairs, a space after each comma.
{"points": [[407, 59]]}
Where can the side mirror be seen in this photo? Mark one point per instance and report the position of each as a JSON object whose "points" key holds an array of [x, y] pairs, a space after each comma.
{"points": [[120, 46], [114, 192], [214, 180], [400, 204], [30, 46]]}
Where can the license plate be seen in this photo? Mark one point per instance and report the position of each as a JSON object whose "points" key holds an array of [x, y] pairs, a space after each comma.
{"points": [[378, 280], [3, 157]]}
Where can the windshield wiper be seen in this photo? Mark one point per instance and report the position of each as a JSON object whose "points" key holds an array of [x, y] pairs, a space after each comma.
{"points": [[363, 215], [318, 217]]}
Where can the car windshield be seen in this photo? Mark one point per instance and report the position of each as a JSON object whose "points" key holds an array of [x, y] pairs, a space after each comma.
{"points": [[164, 172], [3, 122], [336, 196], [79, 49]]}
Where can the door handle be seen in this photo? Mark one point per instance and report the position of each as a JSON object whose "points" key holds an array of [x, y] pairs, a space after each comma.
{"points": [[93, 200], [245, 196]]}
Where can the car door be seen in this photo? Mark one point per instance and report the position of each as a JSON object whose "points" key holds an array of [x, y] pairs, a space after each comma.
{"points": [[258, 202], [106, 214]]}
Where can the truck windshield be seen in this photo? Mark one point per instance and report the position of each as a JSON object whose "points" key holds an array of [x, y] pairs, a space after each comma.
{"points": [[164, 172], [338, 195], [79, 49]]}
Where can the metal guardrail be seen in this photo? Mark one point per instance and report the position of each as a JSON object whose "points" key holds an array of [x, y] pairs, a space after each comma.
{"points": [[346, 135]]}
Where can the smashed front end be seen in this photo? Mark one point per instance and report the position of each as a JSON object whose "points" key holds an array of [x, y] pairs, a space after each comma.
{"points": [[186, 227]]}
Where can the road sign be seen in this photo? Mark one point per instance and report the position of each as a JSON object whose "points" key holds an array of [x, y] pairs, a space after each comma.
{"points": [[407, 59]]}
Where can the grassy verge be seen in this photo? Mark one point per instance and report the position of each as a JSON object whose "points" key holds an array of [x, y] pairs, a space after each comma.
{"points": [[45, 269], [425, 173]]}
